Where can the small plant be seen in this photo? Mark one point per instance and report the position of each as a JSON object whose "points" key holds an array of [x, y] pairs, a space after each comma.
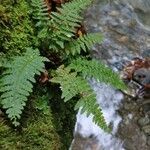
{"points": [[16, 83], [56, 35]]}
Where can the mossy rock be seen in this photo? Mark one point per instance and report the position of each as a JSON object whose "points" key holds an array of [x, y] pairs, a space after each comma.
{"points": [[39, 134]]}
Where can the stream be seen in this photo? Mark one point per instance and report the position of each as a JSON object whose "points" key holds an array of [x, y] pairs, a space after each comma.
{"points": [[125, 25]]}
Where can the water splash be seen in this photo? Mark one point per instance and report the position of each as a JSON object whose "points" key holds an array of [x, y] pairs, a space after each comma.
{"points": [[109, 100]]}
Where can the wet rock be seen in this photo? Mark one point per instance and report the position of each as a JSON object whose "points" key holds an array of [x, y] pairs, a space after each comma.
{"points": [[134, 139], [143, 5], [146, 106], [128, 144], [81, 143], [129, 106], [148, 140], [114, 13], [146, 129], [144, 121], [125, 37], [146, 53]]}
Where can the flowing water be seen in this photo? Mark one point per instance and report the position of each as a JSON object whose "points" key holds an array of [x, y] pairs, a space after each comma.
{"points": [[126, 36], [109, 100]]}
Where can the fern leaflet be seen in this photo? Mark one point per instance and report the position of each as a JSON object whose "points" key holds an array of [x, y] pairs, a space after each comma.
{"points": [[72, 85], [3, 60], [40, 12], [59, 27], [41, 15], [63, 23], [16, 83], [97, 70], [84, 43]]}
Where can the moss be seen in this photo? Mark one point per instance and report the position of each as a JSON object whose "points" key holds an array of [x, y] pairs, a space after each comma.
{"points": [[63, 114], [41, 128], [64, 117], [64, 120], [16, 27], [39, 134]]}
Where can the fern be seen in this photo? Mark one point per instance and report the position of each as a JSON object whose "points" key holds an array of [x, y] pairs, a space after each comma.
{"points": [[57, 31], [84, 43], [97, 70], [42, 17], [60, 31], [2, 59], [68, 18], [16, 83], [72, 85], [61, 25], [40, 12]]}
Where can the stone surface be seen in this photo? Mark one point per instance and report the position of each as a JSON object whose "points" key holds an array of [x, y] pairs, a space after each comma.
{"points": [[126, 36], [148, 140], [81, 143], [144, 121], [146, 129]]}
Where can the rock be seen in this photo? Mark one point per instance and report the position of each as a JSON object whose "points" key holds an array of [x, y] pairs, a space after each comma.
{"points": [[146, 129], [114, 13], [125, 37], [129, 106], [148, 140], [133, 138], [81, 143], [146, 107], [144, 121], [146, 53], [143, 5]]}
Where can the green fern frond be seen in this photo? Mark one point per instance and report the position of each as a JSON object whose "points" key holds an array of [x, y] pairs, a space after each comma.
{"points": [[59, 27], [40, 12], [3, 60], [16, 83], [84, 43], [97, 70], [64, 22], [42, 17], [72, 85]]}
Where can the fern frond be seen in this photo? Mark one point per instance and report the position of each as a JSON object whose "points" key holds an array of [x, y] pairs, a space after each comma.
{"points": [[40, 12], [64, 22], [72, 85], [84, 43], [59, 27], [16, 83], [2, 60], [42, 17], [97, 70]]}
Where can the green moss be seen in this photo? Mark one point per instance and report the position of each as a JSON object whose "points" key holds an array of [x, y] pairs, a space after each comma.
{"points": [[64, 117], [41, 128], [39, 134], [64, 120], [63, 114], [16, 27]]}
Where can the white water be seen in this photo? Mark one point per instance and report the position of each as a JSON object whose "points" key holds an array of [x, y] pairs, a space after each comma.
{"points": [[109, 100]]}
